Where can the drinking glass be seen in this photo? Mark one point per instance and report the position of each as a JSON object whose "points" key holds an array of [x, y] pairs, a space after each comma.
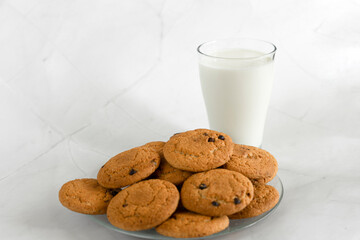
{"points": [[236, 79]]}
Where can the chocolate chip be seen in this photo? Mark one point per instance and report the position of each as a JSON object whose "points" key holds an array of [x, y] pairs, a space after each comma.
{"points": [[248, 194], [103, 166], [202, 186], [215, 203], [237, 201], [211, 140], [132, 172], [221, 137], [124, 205], [205, 134]]}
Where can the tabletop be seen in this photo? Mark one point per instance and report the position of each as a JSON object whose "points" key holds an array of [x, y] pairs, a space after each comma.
{"points": [[81, 81]]}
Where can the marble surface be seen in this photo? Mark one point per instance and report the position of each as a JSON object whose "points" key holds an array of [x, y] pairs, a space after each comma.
{"points": [[82, 80]]}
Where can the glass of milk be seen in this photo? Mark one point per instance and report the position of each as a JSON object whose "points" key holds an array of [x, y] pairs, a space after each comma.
{"points": [[236, 79]]}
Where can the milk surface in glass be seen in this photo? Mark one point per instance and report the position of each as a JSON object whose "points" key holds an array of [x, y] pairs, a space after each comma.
{"points": [[236, 86]]}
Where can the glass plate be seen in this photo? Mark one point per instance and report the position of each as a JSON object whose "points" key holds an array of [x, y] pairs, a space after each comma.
{"points": [[235, 225]]}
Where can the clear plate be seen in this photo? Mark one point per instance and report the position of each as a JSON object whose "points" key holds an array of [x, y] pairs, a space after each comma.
{"points": [[235, 225]]}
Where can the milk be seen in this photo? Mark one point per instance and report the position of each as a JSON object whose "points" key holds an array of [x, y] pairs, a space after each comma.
{"points": [[236, 89]]}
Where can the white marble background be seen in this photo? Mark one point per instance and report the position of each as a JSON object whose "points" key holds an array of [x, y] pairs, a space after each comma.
{"points": [[83, 80]]}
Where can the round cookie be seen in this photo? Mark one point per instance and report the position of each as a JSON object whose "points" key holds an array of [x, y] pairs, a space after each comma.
{"points": [[191, 225], [129, 167], [171, 174], [85, 196], [255, 163], [217, 192], [265, 198], [143, 205], [198, 150]]}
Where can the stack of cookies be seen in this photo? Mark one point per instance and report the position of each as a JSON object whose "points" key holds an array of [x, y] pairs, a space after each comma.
{"points": [[187, 187]]}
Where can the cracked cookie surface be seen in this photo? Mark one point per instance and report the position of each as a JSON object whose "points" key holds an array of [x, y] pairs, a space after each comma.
{"points": [[198, 150], [143, 205], [129, 167], [85, 196], [190, 225], [217, 192], [265, 198], [255, 163]]}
